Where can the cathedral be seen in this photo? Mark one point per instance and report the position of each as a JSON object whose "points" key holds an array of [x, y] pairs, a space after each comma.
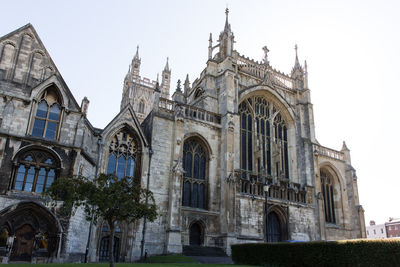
{"points": [[231, 157]]}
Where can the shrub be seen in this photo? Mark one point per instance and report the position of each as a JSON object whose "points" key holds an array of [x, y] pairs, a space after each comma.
{"points": [[359, 252]]}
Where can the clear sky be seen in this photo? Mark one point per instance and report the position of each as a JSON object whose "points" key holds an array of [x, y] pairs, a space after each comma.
{"points": [[351, 47]]}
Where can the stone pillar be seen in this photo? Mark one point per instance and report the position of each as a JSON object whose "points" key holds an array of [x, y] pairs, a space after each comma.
{"points": [[173, 237]]}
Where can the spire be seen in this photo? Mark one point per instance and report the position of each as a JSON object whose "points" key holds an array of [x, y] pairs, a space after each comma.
{"points": [[166, 68], [186, 84], [226, 39], [227, 26], [134, 68], [296, 61], [137, 53]]}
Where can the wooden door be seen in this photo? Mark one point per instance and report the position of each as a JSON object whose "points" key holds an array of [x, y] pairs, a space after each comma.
{"points": [[23, 244], [195, 235]]}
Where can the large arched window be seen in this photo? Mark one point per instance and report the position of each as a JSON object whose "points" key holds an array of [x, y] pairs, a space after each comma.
{"points": [[263, 139], [47, 118], [327, 188], [195, 178], [124, 155], [35, 171]]}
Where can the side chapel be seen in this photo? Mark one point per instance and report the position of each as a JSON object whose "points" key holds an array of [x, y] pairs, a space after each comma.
{"points": [[231, 158]]}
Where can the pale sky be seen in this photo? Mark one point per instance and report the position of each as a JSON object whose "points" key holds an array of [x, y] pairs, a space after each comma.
{"points": [[351, 48]]}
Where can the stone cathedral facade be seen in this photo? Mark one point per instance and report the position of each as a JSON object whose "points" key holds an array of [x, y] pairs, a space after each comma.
{"points": [[231, 158]]}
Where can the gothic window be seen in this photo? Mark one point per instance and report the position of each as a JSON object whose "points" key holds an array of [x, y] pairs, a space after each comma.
{"points": [[246, 136], [282, 164], [327, 187], [47, 118], [141, 106], [35, 171], [124, 155], [195, 178], [263, 139]]}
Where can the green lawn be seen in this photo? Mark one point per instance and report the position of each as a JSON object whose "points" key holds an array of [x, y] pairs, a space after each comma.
{"points": [[129, 265]]}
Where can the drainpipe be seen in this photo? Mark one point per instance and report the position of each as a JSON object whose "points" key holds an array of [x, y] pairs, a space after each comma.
{"points": [[147, 201], [99, 144]]}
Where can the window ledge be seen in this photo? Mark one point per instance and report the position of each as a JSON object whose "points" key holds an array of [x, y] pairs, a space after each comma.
{"points": [[26, 195], [197, 210], [332, 225]]}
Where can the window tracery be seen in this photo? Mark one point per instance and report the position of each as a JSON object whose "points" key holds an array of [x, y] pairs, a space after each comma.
{"points": [[263, 140], [35, 171], [327, 187], [194, 161], [47, 118], [123, 155]]}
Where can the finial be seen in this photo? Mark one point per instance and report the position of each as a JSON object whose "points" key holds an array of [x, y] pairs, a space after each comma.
{"points": [[210, 37], [157, 77], [178, 86], [187, 78], [344, 147]]}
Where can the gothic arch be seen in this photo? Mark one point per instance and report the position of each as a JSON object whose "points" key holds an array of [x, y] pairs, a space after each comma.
{"points": [[281, 215], [24, 149], [274, 97], [40, 227], [196, 164], [337, 197], [197, 232], [131, 158], [202, 140]]}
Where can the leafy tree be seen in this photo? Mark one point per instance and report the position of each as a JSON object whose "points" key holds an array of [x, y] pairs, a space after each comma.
{"points": [[106, 197]]}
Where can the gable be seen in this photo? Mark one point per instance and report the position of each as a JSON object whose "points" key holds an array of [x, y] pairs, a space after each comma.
{"points": [[25, 62], [125, 118]]}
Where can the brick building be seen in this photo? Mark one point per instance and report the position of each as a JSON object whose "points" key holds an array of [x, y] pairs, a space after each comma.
{"points": [[240, 133]]}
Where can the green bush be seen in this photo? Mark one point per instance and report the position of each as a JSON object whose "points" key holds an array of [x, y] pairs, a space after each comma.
{"points": [[359, 252]]}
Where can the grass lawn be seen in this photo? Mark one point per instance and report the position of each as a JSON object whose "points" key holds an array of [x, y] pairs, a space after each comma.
{"points": [[128, 265]]}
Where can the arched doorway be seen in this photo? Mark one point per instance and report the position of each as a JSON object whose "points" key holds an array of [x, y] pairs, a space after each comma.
{"points": [[274, 228], [104, 249], [195, 234], [23, 243], [35, 229]]}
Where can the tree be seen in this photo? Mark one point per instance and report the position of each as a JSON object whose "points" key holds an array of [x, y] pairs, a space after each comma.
{"points": [[106, 197]]}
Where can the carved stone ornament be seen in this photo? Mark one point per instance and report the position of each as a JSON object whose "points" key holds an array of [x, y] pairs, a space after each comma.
{"points": [[179, 113], [178, 169]]}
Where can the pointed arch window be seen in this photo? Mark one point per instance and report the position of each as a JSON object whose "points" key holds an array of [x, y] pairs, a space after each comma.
{"points": [[35, 171], [263, 143], [124, 155], [141, 106], [48, 113], [327, 188], [194, 162]]}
